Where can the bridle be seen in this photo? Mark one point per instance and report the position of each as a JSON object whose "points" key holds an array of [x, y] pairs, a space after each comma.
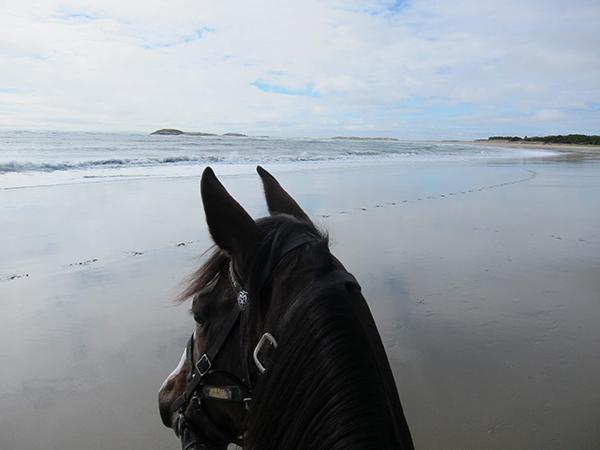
{"points": [[238, 391], [197, 389]]}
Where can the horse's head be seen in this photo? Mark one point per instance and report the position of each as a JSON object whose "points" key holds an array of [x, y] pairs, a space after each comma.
{"points": [[285, 353], [206, 397]]}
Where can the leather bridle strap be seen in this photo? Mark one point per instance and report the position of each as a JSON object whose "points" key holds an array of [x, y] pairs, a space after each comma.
{"points": [[202, 367], [193, 441]]}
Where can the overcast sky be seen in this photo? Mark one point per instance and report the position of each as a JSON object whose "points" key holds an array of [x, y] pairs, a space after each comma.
{"points": [[421, 69]]}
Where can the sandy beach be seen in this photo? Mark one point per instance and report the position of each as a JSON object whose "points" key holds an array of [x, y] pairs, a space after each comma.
{"points": [[573, 149], [483, 277]]}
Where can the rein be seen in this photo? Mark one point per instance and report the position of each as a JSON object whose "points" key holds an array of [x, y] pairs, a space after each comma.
{"points": [[197, 389]]}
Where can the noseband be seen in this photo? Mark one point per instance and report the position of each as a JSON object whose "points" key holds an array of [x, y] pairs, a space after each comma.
{"points": [[197, 389]]}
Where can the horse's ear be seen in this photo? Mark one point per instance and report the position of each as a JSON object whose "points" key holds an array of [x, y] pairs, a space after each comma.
{"points": [[278, 200], [230, 226]]}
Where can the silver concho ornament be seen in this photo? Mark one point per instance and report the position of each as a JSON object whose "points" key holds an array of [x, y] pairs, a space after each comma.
{"points": [[242, 299]]}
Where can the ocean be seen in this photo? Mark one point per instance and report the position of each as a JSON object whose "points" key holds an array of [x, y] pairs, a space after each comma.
{"points": [[38, 158]]}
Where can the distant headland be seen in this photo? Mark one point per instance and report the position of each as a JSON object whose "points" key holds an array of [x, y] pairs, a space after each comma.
{"points": [[571, 139], [570, 143], [175, 132]]}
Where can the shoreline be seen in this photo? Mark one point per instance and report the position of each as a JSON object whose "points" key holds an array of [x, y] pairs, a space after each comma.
{"points": [[572, 148]]}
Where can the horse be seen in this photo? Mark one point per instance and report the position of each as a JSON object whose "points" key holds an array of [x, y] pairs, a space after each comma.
{"points": [[285, 353]]}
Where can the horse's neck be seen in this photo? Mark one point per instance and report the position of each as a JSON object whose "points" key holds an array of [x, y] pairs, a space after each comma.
{"points": [[399, 426], [324, 390]]}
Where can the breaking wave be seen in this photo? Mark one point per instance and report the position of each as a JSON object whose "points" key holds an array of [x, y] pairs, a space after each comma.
{"points": [[231, 158], [40, 158]]}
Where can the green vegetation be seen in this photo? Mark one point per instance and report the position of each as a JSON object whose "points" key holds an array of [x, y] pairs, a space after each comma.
{"points": [[506, 138], [577, 139]]}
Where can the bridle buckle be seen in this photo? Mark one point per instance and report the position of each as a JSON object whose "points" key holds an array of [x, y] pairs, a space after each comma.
{"points": [[203, 365], [266, 338]]}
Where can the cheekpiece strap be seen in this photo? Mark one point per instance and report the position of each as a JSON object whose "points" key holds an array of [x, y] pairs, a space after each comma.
{"points": [[240, 293]]}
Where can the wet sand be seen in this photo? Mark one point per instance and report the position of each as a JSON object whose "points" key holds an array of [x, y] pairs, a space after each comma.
{"points": [[483, 278], [567, 148]]}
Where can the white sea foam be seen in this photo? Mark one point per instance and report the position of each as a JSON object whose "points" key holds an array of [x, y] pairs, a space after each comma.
{"points": [[48, 158]]}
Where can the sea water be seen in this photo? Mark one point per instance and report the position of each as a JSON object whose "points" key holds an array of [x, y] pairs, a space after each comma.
{"points": [[38, 158]]}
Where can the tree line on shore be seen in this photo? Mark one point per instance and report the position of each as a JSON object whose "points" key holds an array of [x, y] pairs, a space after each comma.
{"points": [[578, 139]]}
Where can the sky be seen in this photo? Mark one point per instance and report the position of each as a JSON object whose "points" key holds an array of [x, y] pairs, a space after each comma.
{"points": [[410, 69]]}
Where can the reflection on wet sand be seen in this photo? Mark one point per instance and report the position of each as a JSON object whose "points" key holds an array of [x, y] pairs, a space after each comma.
{"points": [[483, 279]]}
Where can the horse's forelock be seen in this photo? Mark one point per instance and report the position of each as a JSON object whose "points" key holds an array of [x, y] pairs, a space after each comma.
{"points": [[212, 267]]}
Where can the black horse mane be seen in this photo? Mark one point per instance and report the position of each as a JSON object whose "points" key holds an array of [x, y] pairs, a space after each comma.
{"points": [[323, 389]]}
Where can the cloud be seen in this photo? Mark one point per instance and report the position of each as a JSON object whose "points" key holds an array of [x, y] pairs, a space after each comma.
{"points": [[551, 115], [418, 69]]}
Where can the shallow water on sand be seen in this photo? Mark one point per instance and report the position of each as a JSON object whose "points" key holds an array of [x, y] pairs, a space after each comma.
{"points": [[483, 279]]}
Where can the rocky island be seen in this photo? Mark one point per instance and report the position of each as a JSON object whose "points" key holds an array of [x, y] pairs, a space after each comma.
{"points": [[176, 132], [357, 138]]}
